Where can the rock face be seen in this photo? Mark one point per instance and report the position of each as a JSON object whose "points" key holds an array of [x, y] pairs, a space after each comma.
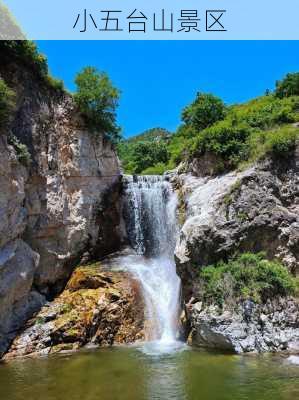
{"points": [[96, 308], [64, 205], [254, 210], [18, 300], [270, 327]]}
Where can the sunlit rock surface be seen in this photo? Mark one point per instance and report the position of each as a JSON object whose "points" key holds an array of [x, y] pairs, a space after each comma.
{"points": [[64, 205], [97, 308], [255, 210], [249, 211], [270, 327]]}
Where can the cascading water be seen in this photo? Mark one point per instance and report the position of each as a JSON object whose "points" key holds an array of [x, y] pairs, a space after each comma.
{"points": [[150, 215]]}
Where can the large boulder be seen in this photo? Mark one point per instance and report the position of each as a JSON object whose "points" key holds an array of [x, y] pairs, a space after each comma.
{"points": [[18, 300], [98, 308]]}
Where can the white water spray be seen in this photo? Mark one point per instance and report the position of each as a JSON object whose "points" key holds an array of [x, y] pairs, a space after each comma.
{"points": [[150, 215]]}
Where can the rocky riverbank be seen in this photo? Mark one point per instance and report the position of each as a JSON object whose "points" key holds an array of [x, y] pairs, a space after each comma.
{"points": [[269, 327]]}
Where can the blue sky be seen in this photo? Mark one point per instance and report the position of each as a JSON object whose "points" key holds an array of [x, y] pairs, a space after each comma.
{"points": [[158, 78]]}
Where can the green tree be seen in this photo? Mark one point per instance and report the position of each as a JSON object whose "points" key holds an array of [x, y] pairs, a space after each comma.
{"points": [[204, 111], [97, 99], [147, 154], [289, 86]]}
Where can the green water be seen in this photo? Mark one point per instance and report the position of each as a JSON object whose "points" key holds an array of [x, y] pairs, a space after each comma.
{"points": [[128, 374]]}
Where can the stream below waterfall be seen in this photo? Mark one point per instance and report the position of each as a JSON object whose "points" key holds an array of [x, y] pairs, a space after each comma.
{"points": [[125, 373]]}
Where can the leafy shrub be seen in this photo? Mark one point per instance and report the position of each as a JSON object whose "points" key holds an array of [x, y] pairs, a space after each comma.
{"points": [[56, 84], [279, 142], [157, 169], [97, 99], [265, 112], [245, 276], [27, 52], [248, 132], [225, 140], [147, 154], [21, 149], [7, 103], [289, 86], [204, 111]]}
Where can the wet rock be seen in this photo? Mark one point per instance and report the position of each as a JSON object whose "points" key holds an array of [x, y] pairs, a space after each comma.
{"points": [[99, 308]]}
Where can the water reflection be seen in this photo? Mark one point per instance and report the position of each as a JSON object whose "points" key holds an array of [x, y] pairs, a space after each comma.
{"points": [[131, 374]]}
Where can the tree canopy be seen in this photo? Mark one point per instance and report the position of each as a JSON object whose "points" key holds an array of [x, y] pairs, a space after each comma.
{"points": [[205, 110], [97, 99]]}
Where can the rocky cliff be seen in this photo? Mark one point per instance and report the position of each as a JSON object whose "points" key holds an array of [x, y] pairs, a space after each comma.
{"points": [[60, 207], [249, 211]]}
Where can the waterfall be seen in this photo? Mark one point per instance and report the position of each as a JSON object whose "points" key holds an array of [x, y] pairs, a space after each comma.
{"points": [[150, 215]]}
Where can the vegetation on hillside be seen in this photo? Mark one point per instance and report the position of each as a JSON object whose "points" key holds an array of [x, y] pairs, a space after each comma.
{"points": [[26, 52], [146, 153], [247, 276], [152, 135], [289, 86], [95, 97], [236, 134]]}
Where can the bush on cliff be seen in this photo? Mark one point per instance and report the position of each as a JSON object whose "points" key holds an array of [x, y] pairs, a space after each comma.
{"points": [[248, 132], [97, 99], [7, 103], [21, 149], [26, 53], [224, 139], [247, 276], [279, 142]]}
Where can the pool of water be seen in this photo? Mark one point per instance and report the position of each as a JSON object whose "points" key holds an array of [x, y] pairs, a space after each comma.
{"points": [[127, 373]]}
